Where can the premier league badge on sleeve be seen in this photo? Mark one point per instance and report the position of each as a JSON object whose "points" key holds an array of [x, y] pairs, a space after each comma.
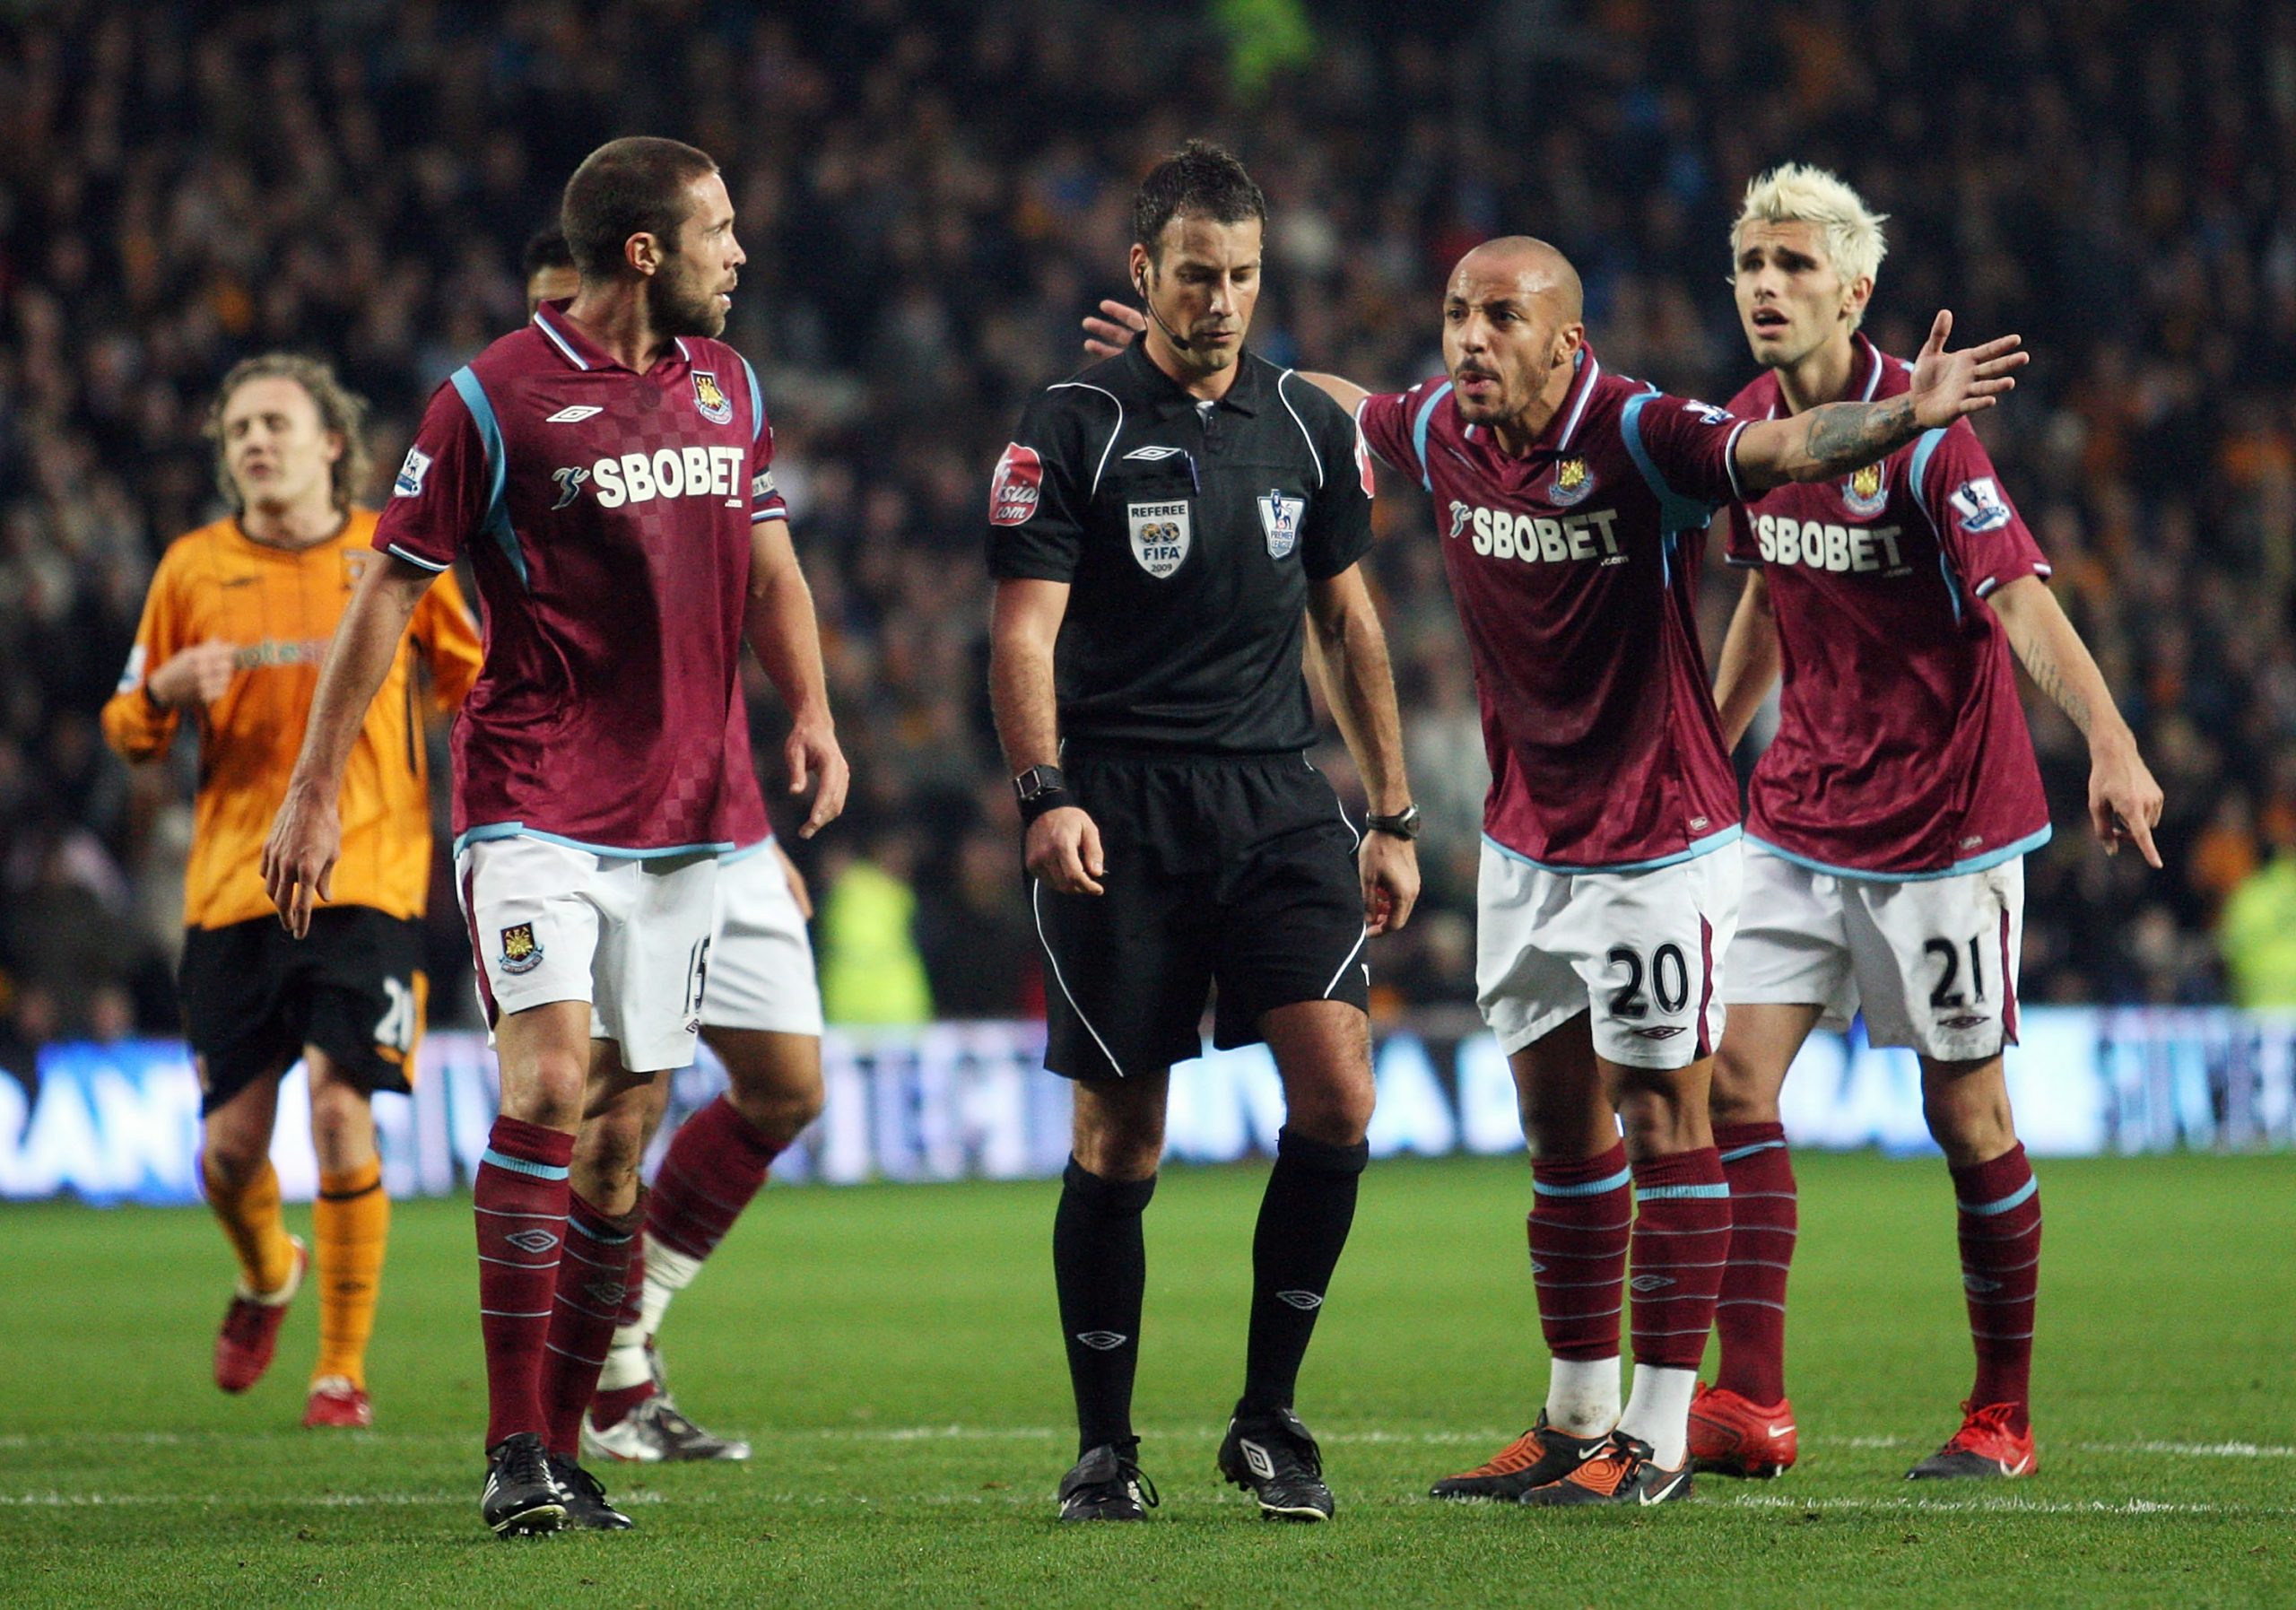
{"points": [[409, 484], [715, 406], [1279, 516], [1977, 504]]}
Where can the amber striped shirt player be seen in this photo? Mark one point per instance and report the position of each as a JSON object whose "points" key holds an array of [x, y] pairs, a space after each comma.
{"points": [[235, 626]]}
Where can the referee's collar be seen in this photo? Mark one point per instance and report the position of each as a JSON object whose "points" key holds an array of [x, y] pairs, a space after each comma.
{"points": [[1166, 396]]}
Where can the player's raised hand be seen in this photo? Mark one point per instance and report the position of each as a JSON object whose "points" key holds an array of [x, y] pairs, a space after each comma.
{"points": [[197, 675], [814, 760], [298, 857], [1946, 386], [1113, 330], [2123, 802], [1064, 849], [1390, 869]]}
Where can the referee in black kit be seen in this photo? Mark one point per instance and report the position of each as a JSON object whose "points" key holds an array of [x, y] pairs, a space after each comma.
{"points": [[1161, 531]]}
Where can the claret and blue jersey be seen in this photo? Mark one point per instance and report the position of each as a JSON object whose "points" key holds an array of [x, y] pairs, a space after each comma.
{"points": [[607, 517], [1574, 567], [1902, 749]]}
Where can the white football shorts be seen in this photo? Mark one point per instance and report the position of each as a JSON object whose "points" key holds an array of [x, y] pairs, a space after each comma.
{"points": [[762, 964], [1932, 961], [1640, 952], [552, 922]]}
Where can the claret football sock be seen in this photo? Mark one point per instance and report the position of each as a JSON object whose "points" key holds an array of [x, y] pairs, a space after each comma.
{"points": [[1750, 1316], [349, 1222], [256, 1228], [1304, 1218], [2000, 1205], [519, 1201], [1581, 1211], [1100, 1266], [593, 1277], [627, 1379], [1682, 1239], [715, 1163]]}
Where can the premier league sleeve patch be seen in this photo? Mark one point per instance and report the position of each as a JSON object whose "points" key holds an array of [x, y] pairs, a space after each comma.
{"points": [[1979, 506], [409, 484], [1018, 485]]}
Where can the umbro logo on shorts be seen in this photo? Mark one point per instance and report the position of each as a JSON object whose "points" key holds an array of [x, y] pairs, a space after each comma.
{"points": [[1658, 1031], [1964, 1020], [573, 416]]}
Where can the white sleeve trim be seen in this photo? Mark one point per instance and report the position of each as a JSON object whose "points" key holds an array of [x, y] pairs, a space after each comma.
{"points": [[416, 559]]}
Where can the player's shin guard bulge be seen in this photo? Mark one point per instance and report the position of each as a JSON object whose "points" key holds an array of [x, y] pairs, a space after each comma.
{"points": [[1100, 1266], [586, 1304], [519, 1201], [1581, 1212], [1681, 1239]]}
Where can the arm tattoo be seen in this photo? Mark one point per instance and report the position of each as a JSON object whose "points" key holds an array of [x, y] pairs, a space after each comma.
{"points": [[2050, 681], [1841, 436]]}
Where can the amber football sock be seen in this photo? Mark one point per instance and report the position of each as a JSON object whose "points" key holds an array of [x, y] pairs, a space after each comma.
{"points": [[252, 1224], [350, 1221]]}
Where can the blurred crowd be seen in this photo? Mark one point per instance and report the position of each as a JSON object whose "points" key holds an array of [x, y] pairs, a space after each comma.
{"points": [[932, 193]]}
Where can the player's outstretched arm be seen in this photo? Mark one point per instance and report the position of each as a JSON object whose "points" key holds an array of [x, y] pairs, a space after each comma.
{"points": [[2124, 800], [1824, 443], [1063, 845], [1750, 659], [787, 638], [306, 836], [1359, 685]]}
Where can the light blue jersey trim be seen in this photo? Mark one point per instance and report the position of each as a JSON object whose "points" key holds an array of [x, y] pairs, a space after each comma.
{"points": [[496, 522], [1419, 433], [1675, 512], [1916, 475], [1698, 847], [1593, 1187], [489, 832], [1682, 1193], [2016, 1198], [520, 1165], [757, 401], [727, 857], [1990, 859], [1736, 1153]]}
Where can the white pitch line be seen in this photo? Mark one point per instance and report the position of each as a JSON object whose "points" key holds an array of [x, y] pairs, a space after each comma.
{"points": [[325, 1500], [1997, 1506]]}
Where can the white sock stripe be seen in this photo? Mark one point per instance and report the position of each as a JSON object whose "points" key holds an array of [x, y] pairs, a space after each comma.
{"points": [[578, 1358], [511, 1263], [1592, 1313], [1748, 1303], [563, 1301], [1696, 1330], [504, 1313], [1566, 1252]]}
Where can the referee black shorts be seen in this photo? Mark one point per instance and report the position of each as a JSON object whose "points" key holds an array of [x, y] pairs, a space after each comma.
{"points": [[253, 995], [1234, 872]]}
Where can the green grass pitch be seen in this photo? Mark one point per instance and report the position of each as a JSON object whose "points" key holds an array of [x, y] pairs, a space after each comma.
{"points": [[894, 1355]]}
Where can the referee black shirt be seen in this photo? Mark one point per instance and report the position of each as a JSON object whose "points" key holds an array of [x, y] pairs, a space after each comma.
{"points": [[1188, 532]]}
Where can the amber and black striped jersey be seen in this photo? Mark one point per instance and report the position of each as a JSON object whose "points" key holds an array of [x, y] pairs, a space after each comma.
{"points": [[278, 608]]}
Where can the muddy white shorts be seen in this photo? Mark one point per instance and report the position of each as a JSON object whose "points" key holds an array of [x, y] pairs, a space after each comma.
{"points": [[1640, 952], [1932, 961], [762, 962], [552, 922]]}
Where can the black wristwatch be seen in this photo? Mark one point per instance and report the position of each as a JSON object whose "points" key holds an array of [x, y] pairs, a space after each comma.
{"points": [[1040, 788], [1402, 824]]}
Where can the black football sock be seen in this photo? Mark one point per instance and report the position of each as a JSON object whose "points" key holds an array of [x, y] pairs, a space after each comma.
{"points": [[1303, 1224], [1100, 1265]]}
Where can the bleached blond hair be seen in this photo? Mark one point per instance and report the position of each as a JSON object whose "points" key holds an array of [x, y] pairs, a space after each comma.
{"points": [[1796, 193]]}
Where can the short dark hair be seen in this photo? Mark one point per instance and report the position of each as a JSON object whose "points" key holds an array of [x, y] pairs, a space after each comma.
{"points": [[1198, 180], [546, 250], [629, 187]]}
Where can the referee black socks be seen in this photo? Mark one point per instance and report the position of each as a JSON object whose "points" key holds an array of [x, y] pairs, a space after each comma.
{"points": [[1100, 1266], [1303, 1224]]}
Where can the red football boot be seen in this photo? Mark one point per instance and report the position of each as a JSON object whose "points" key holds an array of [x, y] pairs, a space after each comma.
{"points": [[250, 1332], [335, 1402], [1990, 1443], [1730, 1435]]}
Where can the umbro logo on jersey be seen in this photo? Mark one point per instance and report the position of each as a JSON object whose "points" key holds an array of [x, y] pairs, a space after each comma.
{"points": [[1154, 455], [1102, 1341], [573, 416]]}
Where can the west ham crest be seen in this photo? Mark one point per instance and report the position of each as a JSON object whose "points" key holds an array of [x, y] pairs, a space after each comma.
{"points": [[1571, 484], [715, 406], [1279, 516], [1863, 492], [520, 953]]}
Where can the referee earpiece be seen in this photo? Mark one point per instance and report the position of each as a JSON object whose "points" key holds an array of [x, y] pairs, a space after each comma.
{"points": [[1140, 283]]}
